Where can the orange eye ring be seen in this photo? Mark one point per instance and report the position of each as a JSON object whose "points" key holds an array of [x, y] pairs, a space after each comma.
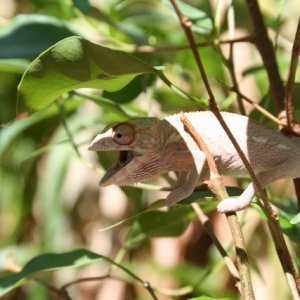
{"points": [[123, 134]]}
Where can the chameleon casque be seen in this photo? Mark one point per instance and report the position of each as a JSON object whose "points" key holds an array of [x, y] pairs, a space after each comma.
{"points": [[150, 146]]}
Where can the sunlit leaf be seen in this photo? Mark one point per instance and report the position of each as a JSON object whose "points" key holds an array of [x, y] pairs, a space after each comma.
{"points": [[47, 262], [296, 219], [75, 63], [291, 230]]}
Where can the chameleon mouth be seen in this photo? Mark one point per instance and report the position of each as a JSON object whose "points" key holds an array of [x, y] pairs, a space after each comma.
{"points": [[125, 157]]}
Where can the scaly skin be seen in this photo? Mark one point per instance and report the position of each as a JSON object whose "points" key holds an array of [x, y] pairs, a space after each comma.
{"points": [[150, 146]]}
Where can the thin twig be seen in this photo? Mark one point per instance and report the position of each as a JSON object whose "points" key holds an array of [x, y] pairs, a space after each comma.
{"points": [[62, 294], [169, 292], [259, 108], [216, 185], [231, 67], [145, 284], [152, 49], [86, 279], [69, 134], [204, 220]]}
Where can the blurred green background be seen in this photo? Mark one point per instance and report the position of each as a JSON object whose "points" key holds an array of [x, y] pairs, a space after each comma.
{"points": [[49, 195]]}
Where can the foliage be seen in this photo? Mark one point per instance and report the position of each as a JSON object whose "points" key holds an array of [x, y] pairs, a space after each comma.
{"points": [[69, 69]]}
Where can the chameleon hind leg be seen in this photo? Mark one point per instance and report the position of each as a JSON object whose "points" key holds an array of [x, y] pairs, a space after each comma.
{"points": [[233, 204]]}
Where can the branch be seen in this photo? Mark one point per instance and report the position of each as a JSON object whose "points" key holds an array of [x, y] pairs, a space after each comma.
{"points": [[289, 91], [204, 220], [230, 63], [265, 47], [266, 50], [217, 187], [242, 258], [281, 247], [152, 49], [61, 294], [258, 108]]}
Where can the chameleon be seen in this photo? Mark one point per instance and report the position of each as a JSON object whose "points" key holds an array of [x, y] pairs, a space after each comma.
{"points": [[150, 146]]}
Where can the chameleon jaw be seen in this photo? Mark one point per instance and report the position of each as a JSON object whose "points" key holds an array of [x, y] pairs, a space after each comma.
{"points": [[112, 176]]}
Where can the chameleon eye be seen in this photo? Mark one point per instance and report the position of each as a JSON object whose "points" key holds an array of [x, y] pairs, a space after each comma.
{"points": [[123, 134]]}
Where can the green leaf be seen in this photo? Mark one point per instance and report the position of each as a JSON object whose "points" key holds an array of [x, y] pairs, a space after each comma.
{"points": [[289, 218], [10, 133], [17, 66], [76, 63], [291, 230], [29, 35], [253, 70], [160, 224], [201, 194], [47, 262], [296, 219], [138, 85]]}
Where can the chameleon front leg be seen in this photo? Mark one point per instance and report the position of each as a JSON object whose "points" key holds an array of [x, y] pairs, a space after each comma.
{"points": [[189, 180]]}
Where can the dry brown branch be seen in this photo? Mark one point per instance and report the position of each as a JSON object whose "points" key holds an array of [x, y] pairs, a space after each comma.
{"points": [[242, 258], [266, 50], [280, 244], [259, 108], [204, 220], [243, 282], [152, 49], [289, 90]]}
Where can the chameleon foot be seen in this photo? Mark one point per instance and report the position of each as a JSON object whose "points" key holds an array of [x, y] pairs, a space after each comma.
{"points": [[229, 205]]}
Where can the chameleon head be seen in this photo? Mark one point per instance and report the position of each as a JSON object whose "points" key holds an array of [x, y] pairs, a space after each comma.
{"points": [[139, 158]]}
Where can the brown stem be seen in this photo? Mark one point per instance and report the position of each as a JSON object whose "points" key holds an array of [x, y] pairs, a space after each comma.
{"points": [[266, 50], [204, 220], [242, 257], [265, 47], [61, 294], [258, 107], [217, 187], [297, 190], [151, 49], [289, 91], [281, 247]]}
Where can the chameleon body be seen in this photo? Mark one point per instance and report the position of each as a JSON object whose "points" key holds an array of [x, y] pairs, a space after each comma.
{"points": [[150, 146]]}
